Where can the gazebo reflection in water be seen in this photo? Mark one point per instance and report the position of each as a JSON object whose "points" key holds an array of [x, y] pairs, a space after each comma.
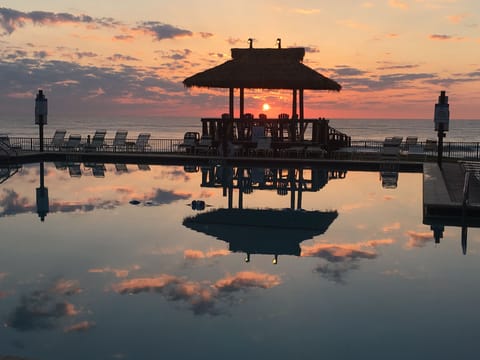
{"points": [[271, 69], [264, 231]]}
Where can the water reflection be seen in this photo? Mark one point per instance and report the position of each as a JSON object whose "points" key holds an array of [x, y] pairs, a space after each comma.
{"points": [[264, 231]]}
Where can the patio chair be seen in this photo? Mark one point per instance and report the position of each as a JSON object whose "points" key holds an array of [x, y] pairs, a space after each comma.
{"points": [[58, 139], [263, 147], [391, 147], [142, 142], [121, 168], [143, 167], [73, 142], [98, 170], [205, 145], [98, 140], [190, 140], [74, 170], [120, 140]]}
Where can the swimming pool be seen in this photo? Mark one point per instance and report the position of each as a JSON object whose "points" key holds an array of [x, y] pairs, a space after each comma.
{"points": [[144, 262]]}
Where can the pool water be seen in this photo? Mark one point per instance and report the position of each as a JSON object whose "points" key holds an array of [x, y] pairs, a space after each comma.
{"points": [[149, 262]]}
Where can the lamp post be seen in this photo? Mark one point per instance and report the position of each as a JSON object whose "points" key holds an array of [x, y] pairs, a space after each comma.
{"points": [[441, 120], [43, 206], [41, 112]]}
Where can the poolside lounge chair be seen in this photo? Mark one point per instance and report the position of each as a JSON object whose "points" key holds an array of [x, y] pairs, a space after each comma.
{"points": [[74, 170], [205, 145], [73, 142], [98, 170], [58, 139], [143, 167], [120, 140], [6, 145], [190, 140], [98, 140], [121, 168], [263, 146], [391, 147], [142, 142]]}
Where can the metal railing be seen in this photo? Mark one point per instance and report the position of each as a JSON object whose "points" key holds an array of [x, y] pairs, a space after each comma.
{"points": [[452, 150]]}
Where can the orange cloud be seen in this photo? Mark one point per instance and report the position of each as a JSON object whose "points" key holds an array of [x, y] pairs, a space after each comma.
{"points": [[202, 297], [247, 279], [80, 327], [456, 19], [119, 273], [67, 287], [340, 252], [418, 239], [391, 227], [197, 254], [398, 4]]}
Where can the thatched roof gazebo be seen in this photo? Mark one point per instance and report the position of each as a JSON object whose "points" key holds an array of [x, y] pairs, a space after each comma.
{"points": [[268, 68], [264, 69]]}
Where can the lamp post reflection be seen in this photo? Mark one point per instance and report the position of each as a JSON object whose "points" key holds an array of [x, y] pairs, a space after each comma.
{"points": [[43, 206]]}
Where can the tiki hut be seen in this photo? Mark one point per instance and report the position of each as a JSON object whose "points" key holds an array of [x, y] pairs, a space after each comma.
{"points": [[267, 68], [264, 69]]}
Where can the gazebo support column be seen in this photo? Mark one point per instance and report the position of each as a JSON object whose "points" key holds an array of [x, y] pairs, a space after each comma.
{"points": [[302, 124], [242, 102], [293, 125]]}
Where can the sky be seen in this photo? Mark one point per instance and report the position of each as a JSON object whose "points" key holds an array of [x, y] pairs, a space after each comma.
{"points": [[110, 58]]}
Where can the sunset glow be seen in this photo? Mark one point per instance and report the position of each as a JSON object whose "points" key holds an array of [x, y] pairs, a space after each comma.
{"points": [[391, 57]]}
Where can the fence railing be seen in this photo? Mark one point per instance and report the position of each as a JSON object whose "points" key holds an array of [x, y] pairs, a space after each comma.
{"points": [[453, 150], [153, 145]]}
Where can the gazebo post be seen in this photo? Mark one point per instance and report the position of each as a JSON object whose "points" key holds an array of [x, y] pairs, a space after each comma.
{"points": [[293, 126], [242, 102], [302, 124]]}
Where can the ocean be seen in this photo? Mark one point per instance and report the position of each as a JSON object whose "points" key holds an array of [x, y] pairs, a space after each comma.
{"points": [[174, 128]]}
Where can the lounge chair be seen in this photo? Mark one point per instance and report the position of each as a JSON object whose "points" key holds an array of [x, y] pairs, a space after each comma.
{"points": [[391, 147], [120, 140], [121, 168], [142, 142], [58, 139], [98, 170], [190, 140], [143, 167], [98, 140], [205, 145], [74, 170], [73, 142], [6, 145], [263, 146]]}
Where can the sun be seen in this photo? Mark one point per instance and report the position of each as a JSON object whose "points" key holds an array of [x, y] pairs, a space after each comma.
{"points": [[265, 107]]}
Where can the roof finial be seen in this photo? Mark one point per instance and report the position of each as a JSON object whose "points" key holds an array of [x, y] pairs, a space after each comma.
{"points": [[250, 41], [279, 43]]}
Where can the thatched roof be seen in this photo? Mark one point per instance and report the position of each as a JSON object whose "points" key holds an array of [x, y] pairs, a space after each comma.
{"points": [[240, 227], [263, 69]]}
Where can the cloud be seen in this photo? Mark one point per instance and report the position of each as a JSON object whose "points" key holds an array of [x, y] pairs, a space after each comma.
{"points": [[3, 275], [119, 273], [418, 239], [163, 31], [197, 254], [456, 19], [121, 58], [443, 37], [11, 20], [306, 11], [201, 297], [397, 4], [39, 311], [79, 327], [336, 272], [342, 258], [391, 227]]}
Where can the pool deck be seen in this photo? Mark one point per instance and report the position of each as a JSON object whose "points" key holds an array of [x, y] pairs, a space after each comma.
{"points": [[443, 196]]}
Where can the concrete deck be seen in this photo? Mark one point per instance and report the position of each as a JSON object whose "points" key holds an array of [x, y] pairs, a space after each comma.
{"points": [[443, 196]]}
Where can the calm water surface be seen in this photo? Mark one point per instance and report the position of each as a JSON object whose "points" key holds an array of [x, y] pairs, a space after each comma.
{"points": [[124, 267]]}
